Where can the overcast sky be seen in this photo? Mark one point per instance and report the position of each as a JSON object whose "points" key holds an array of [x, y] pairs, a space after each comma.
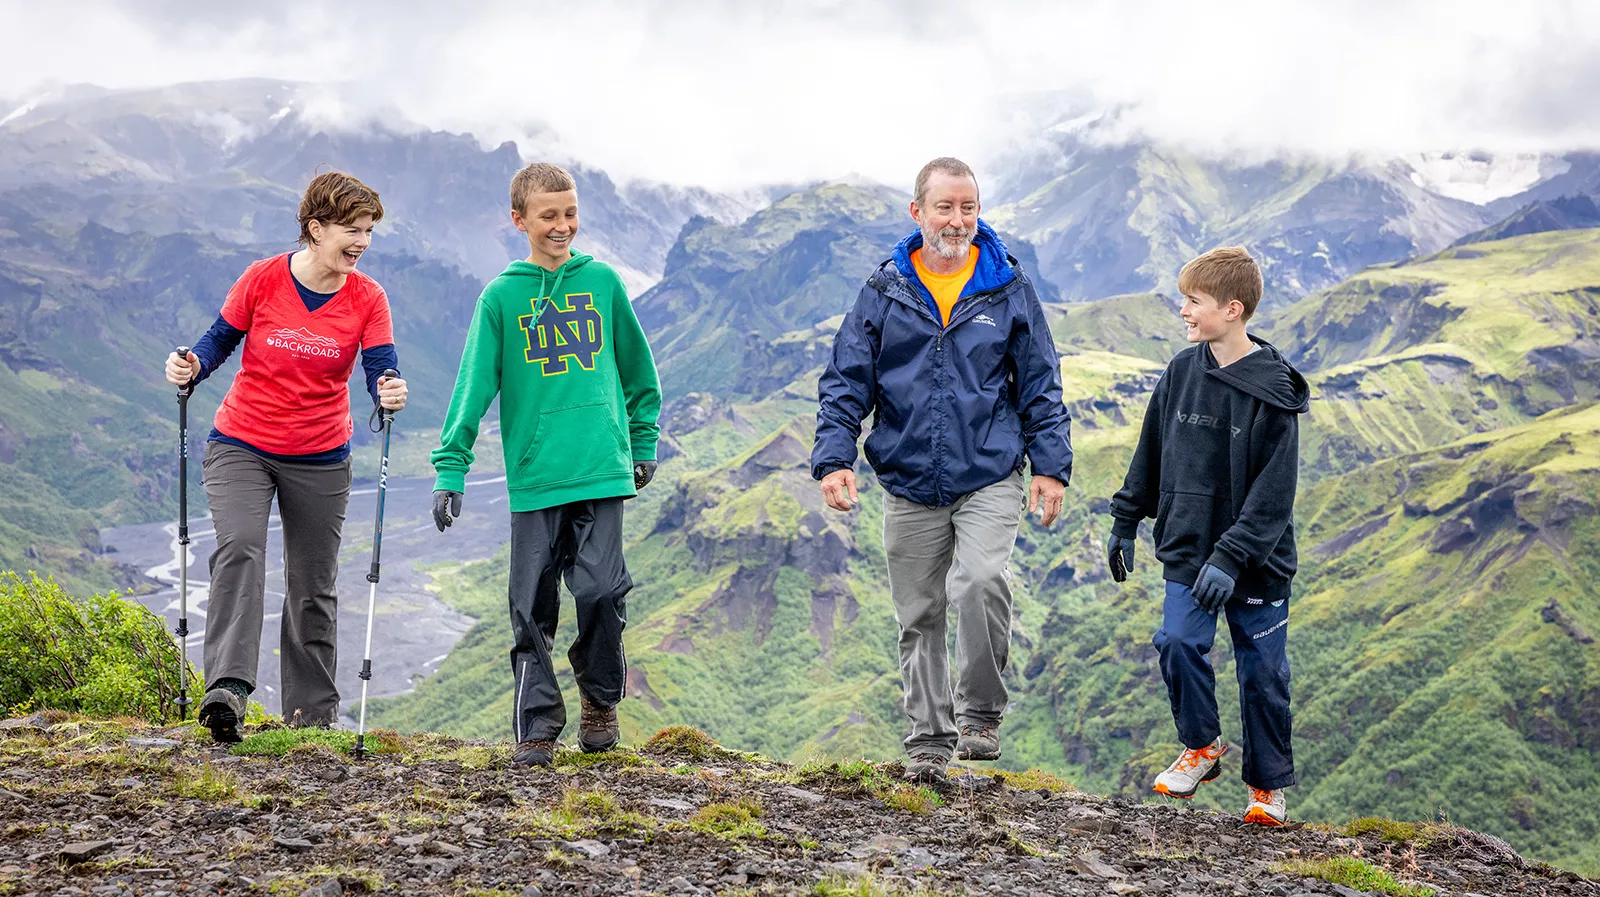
{"points": [[727, 92]]}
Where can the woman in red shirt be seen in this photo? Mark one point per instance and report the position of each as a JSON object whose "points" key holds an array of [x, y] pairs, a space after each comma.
{"points": [[283, 431]]}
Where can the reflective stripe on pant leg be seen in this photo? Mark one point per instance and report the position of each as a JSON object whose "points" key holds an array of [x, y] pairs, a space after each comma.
{"points": [[516, 717]]}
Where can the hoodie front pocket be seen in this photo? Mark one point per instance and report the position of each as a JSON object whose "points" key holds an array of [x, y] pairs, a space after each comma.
{"points": [[574, 443], [1188, 525]]}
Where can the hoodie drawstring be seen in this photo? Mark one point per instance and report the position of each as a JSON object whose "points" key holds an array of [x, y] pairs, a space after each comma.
{"points": [[538, 303]]}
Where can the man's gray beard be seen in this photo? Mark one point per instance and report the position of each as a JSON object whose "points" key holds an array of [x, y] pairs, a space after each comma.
{"points": [[943, 249]]}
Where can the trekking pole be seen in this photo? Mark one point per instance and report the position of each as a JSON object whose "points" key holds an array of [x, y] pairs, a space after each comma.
{"points": [[183, 542], [387, 423]]}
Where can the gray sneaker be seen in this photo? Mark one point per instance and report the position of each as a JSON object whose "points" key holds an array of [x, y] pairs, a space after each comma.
{"points": [[222, 711], [534, 753], [927, 767], [978, 742], [597, 727]]}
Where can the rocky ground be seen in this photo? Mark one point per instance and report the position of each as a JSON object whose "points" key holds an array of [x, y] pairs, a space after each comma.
{"points": [[116, 808]]}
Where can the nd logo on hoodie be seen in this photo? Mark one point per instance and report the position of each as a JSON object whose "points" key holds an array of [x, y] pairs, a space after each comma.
{"points": [[576, 332]]}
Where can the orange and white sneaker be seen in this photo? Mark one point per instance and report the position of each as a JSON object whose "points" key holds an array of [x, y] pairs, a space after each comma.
{"points": [[1192, 767], [1266, 807]]}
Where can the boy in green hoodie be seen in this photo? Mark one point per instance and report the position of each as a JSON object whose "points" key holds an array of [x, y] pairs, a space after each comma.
{"points": [[555, 337]]}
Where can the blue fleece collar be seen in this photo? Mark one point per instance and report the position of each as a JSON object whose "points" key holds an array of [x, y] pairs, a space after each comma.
{"points": [[992, 271]]}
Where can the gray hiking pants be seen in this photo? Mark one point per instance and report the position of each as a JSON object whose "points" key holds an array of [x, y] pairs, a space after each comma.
{"points": [[955, 555], [240, 486], [580, 542]]}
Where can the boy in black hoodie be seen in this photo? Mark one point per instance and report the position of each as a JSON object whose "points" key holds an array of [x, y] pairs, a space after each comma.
{"points": [[1216, 466]]}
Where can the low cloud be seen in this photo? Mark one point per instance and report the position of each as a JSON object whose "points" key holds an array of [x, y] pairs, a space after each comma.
{"points": [[733, 93]]}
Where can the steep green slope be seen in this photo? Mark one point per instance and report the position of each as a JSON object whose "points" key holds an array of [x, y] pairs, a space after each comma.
{"points": [[1526, 309], [1144, 325], [1446, 654]]}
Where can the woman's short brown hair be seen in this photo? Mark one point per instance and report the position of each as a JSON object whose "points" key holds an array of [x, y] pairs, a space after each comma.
{"points": [[334, 197]]}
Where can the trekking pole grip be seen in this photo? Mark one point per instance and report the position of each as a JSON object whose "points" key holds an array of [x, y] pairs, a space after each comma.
{"points": [[183, 353], [388, 374]]}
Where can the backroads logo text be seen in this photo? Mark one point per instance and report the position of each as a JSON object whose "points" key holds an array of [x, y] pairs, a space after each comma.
{"points": [[303, 342]]}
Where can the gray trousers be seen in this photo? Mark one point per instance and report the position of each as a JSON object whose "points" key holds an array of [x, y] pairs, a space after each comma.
{"points": [[580, 542], [955, 555], [240, 486]]}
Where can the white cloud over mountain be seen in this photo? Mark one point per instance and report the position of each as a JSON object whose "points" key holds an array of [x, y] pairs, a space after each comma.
{"points": [[728, 93]]}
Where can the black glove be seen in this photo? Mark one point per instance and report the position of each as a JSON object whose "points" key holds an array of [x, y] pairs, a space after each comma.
{"points": [[1212, 589], [643, 473], [1119, 557], [446, 505]]}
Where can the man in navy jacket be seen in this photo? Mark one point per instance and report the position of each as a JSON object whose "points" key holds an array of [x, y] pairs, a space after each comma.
{"points": [[948, 348]]}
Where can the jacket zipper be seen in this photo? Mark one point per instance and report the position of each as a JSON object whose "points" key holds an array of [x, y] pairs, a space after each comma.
{"points": [[938, 351]]}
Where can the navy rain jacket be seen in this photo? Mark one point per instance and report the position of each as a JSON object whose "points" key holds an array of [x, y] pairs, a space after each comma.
{"points": [[954, 408]]}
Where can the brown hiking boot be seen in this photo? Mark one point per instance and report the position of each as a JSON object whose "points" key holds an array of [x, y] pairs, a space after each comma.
{"points": [[927, 767], [222, 711], [534, 753], [978, 742], [597, 727]]}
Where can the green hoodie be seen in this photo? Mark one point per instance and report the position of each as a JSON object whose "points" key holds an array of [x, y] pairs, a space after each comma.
{"points": [[571, 385]]}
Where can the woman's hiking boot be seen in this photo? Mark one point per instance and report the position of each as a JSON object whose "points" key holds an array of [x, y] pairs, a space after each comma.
{"points": [[534, 753], [927, 767], [222, 711], [597, 727], [978, 742], [1267, 807], [1192, 767]]}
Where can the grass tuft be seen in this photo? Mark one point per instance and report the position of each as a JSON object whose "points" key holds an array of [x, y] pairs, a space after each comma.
{"points": [[354, 880], [919, 800], [732, 820], [616, 757], [1354, 873], [686, 740], [209, 783], [1387, 829], [281, 742], [1036, 780], [865, 886]]}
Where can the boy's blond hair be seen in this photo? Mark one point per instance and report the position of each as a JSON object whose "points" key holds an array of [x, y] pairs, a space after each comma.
{"points": [[538, 177], [1225, 274]]}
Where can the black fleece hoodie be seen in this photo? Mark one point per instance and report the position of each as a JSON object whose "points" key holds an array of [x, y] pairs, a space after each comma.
{"points": [[1216, 466]]}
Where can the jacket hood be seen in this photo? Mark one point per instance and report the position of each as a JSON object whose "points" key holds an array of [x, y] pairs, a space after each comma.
{"points": [[1264, 375], [549, 281], [992, 271]]}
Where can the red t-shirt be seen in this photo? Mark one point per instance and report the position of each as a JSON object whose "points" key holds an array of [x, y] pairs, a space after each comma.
{"points": [[291, 395]]}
